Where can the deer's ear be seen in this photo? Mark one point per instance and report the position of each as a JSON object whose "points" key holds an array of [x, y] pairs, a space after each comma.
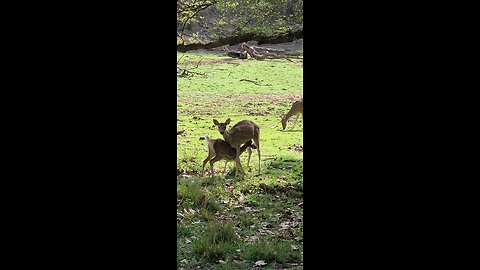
{"points": [[227, 122], [215, 122]]}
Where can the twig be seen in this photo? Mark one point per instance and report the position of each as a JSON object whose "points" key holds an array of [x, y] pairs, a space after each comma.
{"points": [[178, 61], [198, 62], [255, 82], [185, 72], [181, 200]]}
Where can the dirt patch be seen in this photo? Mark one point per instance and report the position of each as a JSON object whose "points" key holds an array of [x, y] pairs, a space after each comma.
{"points": [[186, 174], [289, 190], [264, 98], [245, 103], [291, 47], [277, 99], [296, 148], [210, 62], [259, 113]]}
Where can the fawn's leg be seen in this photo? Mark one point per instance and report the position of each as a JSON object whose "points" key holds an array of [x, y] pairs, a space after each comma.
{"points": [[210, 155], [215, 159], [249, 150], [237, 162], [257, 144]]}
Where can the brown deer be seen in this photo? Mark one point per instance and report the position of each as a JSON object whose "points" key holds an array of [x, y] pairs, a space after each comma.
{"points": [[219, 149], [296, 109], [240, 133]]}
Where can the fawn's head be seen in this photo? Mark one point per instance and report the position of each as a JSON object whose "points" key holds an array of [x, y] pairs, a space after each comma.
{"points": [[222, 127]]}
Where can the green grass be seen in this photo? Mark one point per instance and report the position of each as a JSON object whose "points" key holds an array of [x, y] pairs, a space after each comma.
{"points": [[276, 251], [235, 76], [192, 195], [218, 240], [228, 222]]}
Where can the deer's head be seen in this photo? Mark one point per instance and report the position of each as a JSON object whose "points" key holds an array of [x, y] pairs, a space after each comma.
{"points": [[222, 127], [284, 121]]}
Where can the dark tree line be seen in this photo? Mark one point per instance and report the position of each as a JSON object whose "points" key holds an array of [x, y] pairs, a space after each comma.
{"points": [[205, 24]]}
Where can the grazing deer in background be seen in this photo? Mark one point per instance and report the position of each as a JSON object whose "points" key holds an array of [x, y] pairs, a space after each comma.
{"points": [[240, 133], [296, 109], [219, 149]]}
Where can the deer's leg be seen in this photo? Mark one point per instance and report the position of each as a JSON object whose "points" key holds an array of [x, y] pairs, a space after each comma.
{"points": [[249, 150], [257, 144], [212, 174], [237, 162], [296, 119], [225, 167]]}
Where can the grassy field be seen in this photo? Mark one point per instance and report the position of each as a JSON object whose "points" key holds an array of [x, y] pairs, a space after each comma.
{"points": [[233, 223]]}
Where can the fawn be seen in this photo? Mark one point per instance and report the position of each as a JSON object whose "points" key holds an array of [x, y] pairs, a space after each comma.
{"points": [[240, 133], [296, 109], [219, 149]]}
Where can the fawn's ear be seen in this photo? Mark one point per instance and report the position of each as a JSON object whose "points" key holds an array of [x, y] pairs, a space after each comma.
{"points": [[227, 122], [215, 122]]}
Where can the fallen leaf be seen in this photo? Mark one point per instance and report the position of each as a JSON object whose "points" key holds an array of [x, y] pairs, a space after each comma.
{"points": [[266, 225], [298, 239], [260, 263], [284, 225], [252, 238]]}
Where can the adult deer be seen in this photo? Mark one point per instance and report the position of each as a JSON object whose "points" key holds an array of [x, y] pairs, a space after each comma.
{"points": [[296, 109], [239, 134], [219, 149]]}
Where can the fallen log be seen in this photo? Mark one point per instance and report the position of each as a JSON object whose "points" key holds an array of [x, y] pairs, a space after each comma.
{"points": [[288, 37], [257, 48]]}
